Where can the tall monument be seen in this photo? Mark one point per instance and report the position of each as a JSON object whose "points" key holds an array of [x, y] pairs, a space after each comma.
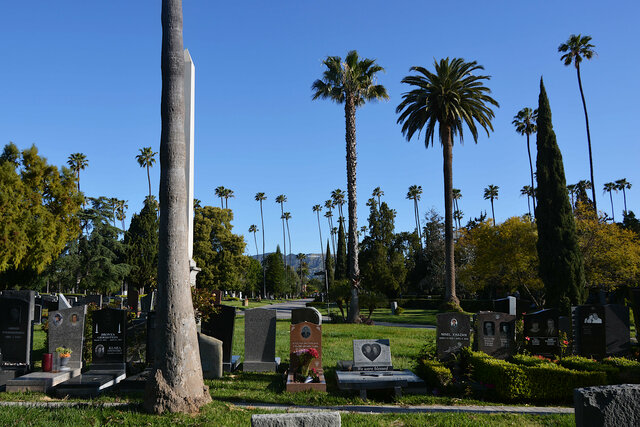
{"points": [[189, 111]]}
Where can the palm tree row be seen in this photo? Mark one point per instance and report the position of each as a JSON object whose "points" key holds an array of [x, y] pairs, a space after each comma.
{"points": [[225, 194]]}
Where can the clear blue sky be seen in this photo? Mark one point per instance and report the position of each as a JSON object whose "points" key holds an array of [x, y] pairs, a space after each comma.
{"points": [[84, 76]]}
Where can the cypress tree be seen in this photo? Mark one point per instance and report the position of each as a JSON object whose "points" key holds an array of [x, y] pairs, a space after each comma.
{"points": [[329, 266], [561, 267], [341, 255]]}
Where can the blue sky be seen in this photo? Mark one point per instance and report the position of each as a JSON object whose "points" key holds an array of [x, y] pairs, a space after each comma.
{"points": [[83, 76]]}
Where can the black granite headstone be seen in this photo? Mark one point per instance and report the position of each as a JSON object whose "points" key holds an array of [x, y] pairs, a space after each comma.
{"points": [[37, 314], [453, 333], [495, 333], [541, 331], [16, 328], [221, 326], [109, 335], [306, 314], [601, 330]]}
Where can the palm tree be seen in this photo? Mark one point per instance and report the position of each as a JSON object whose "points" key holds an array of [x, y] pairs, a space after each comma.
{"points": [[77, 162], [329, 204], [449, 97], [491, 193], [317, 209], [458, 215], [121, 207], [287, 217], [351, 82], [363, 230], [282, 199], [146, 159], [228, 194], [525, 123], [177, 384], [571, 188], [414, 193], [260, 197], [527, 190], [623, 185], [220, 192], [300, 257], [581, 190], [609, 187], [337, 196], [576, 48], [254, 229], [377, 192], [457, 195]]}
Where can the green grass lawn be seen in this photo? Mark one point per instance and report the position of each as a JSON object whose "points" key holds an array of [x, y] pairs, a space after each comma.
{"points": [[410, 315], [252, 304]]}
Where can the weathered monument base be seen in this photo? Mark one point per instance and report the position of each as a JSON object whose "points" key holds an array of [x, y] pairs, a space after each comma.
{"points": [[611, 405]]}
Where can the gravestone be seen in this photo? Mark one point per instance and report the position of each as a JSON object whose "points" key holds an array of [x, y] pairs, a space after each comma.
{"points": [[221, 325], [372, 355], [306, 335], [505, 305], [109, 336], [306, 314], [496, 333], [37, 314], [63, 303], [49, 302], [66, 329], [601, 330], [210, 356], [394, 307], [16, 328], [452, 333], [133, 299], [260, 340], [541, 331], [89, 299]]}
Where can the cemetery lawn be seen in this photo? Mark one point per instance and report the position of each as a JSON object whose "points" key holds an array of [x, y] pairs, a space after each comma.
{"points": [[252, 303], [413, 316]]}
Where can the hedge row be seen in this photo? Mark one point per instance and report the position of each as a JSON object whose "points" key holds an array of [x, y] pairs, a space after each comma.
{"points": [[434, 373], [541, 382]]}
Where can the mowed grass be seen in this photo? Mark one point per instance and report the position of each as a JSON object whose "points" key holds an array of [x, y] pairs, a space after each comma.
{"points": [[252, 304], [409, 315]]}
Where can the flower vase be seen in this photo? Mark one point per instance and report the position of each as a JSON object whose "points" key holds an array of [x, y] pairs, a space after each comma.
{"points": [[64, 361]]}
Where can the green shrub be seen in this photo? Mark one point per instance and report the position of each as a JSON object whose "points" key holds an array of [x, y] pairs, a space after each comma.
{"points": [[508, 381], [628, 370], [434, 373], [527, 360], [579, 363], [399, 311], [550, 382]]}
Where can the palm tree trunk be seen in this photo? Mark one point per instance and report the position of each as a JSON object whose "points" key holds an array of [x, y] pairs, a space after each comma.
{"points": [[289, 234], [418, 221], [284, 238], [529, 205], [450, 268], [586, 119], [149, 179], [533, 186], [324, 265], [613, 213], [256, 242], [624, 195], [493, 214], [352, 243], [264, 273], [177, 384]]}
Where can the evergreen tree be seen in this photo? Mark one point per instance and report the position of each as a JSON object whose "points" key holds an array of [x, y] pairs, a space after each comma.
{"points": [[341, 255], [142, 242], [328, 259], [275, 273], [561, 265]]}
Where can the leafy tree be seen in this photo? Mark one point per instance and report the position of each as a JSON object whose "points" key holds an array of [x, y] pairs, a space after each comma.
{"points": [[608, 188], [571, 188], [502, 258], [434, 251], [377, 192], [142, 245], [39, 205], [177, 384], [341, 256], [491, 193], [260, 197], [630, 222], [146, 159], [77, 162], [575, 49], [561, 265], [525, 123], [251, 276], [351, 82], [276, 282], [329, 267], [451, 96], [623, 184], [217, 250]]}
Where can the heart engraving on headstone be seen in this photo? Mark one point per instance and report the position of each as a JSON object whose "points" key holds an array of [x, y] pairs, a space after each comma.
{"points": [[371, 351]]}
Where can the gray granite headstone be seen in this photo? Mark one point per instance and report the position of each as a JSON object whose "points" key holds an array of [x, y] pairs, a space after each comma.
{"points": [[66, 329], [496, 333], [372, 355], [259, 340], [453, 332], [63, 303], [16, 329], [306, 314], [210, 356]]}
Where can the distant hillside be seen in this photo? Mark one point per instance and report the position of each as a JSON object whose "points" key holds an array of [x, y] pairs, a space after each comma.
{"points": [[314, 261]]}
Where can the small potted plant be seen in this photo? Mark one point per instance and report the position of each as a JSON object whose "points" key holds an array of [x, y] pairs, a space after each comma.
{"points": [[64, 354]]}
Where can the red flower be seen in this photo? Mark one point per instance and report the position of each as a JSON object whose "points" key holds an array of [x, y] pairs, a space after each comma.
{"points": [[565, 342]]}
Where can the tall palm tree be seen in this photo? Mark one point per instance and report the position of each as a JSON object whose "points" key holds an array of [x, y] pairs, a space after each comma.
{"points": [[146, 159], [121, 207], [609, 187], [581, 189], [575, 49], [623, 185], [337, 196], [458, 215], [450, 97], [287, 217], [350, 82], [363, 230], [414, 193], [260, 197], [220, 192], [457, 195], [176, 385], [525, 123], [329, 204], [317, 209], [527, 190], [571, 188], [300, 257], [228, 194], [282, 199], [491, 193], [254, 229], [377, 192], [77, 162]]}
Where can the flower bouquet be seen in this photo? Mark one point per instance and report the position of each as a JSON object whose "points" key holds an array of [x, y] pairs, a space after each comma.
{"points": [[302, 359]]}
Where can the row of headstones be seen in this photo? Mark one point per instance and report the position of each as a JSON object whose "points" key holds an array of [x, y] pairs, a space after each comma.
{"points": [[596, 331]]}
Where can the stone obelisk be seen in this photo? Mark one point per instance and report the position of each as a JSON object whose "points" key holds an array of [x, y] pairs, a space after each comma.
{"points": [[189, 122]]}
